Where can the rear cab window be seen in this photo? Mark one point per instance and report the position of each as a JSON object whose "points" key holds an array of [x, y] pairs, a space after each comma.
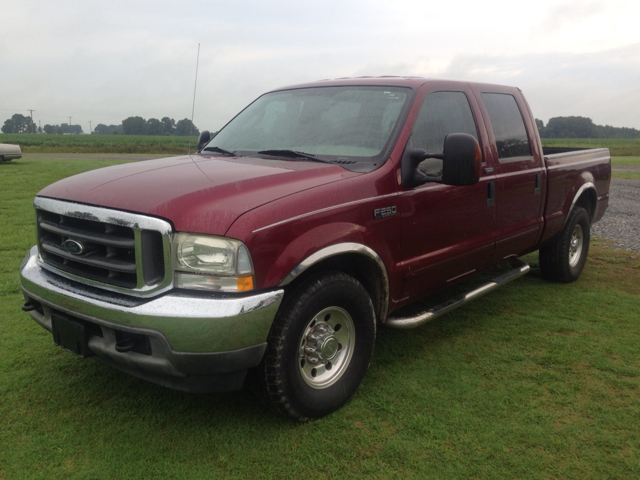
{"points": [[508, 127]]}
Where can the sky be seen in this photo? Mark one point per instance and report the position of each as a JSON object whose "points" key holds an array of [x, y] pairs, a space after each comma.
{"points": [[102, 62]]}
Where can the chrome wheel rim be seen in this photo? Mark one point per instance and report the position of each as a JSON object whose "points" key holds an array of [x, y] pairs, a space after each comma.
{"points": [[326, 347], [575, 247]]}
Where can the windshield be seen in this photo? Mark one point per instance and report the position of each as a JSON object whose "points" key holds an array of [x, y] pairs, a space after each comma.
{"points": [[330, 122]]}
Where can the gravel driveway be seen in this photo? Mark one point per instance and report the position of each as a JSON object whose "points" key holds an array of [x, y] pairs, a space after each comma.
{"points": [[621, 222]]}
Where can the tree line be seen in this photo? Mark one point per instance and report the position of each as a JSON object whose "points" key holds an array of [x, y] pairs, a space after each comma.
{"points": [[19, 123], [152, 126], [582, 127], [557, 127]]}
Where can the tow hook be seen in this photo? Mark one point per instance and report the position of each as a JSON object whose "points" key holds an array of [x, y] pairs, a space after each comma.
{"points": [[30, 305], [126, 344]]}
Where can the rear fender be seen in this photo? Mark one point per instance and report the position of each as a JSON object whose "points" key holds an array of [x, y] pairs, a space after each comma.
{"points": [[584, 194]]}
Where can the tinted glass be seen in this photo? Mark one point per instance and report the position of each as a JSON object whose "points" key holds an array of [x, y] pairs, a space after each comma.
{"points": [[326, 121], [508, 126], [442, 113]]}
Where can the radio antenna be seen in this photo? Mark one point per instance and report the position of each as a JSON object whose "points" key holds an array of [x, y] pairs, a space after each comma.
{"points": [[193, 107]]}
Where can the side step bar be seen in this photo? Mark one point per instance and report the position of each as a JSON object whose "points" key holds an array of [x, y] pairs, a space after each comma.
{"points": [[520, 268]]}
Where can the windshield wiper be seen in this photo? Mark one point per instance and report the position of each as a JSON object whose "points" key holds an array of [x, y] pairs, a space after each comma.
{"points": [[292, 154], [220, 150]]}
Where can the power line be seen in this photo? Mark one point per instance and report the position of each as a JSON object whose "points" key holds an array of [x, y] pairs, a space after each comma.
{"points": [[32, 124], [193, 108]]}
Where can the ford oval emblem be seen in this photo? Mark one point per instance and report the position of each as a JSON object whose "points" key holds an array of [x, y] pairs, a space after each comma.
{"points": [[74, 247]]}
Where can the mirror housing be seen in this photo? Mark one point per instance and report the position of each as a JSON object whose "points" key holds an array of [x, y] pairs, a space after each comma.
{"points": [[203, 139], [411, 158], [462, 162]]}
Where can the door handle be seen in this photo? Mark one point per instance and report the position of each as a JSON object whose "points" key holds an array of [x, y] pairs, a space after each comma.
{"points": [[538, 188], [491, 193]]}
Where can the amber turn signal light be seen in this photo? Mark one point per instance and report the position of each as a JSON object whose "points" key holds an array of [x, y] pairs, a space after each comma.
{"points": [[245, 283]]}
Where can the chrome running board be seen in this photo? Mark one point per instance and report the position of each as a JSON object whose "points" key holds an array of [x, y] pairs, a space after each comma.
{"points": [[520, 268]]}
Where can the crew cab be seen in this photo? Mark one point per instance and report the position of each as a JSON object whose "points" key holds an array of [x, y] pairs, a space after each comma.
{"points": [[274, 252]]}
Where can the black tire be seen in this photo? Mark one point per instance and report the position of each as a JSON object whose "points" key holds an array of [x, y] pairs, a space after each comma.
{"points": [[563, 259], [289, 380]]}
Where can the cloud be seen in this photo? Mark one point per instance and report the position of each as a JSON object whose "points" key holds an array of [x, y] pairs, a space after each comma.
{"points": [[604, 86], [107, 61], [572, 12]]}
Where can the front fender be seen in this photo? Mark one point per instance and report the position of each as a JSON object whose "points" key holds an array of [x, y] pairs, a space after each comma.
{"points": [[322, 242]]}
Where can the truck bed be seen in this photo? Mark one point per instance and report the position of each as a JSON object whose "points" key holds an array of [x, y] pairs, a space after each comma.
{"points": [[570, 170]]}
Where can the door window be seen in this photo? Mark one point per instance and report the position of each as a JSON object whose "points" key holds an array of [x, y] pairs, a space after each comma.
{"points": [[508, 126], [442, 113]]}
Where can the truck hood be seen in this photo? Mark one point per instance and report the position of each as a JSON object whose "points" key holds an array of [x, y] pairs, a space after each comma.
{"points": [[197, 193]]}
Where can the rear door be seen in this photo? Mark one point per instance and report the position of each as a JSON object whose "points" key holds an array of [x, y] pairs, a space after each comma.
{"points": [[520, 176], [447, 231]]}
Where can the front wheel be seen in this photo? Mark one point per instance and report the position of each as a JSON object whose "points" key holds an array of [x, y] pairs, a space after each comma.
{"points": [[563, 259], [319, 347]]}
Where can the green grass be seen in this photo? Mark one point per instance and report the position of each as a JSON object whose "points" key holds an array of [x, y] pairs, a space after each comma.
{"points": [[617, 146], [631, 160], [99, 143], [626, 161], [536, 380], [626, 175]]}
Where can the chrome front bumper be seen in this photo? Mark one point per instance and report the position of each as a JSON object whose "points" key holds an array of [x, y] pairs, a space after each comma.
{"points": [[217, 336]]}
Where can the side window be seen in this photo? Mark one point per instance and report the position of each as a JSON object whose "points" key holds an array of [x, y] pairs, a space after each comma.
{"points": [[442, 113], [508, 126]]}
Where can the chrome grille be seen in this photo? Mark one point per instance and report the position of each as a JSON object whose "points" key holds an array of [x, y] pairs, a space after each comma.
{"points": [[109, 248]]}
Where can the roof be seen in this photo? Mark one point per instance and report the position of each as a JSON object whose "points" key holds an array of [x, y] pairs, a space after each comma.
{"points": [[408, 81]]}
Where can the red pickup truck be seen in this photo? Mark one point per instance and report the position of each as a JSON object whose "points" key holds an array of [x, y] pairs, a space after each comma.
{"points": [[306, 222]]}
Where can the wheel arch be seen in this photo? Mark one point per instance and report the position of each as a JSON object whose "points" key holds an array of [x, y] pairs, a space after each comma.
{"points": [[355, 259], [587, 198]]}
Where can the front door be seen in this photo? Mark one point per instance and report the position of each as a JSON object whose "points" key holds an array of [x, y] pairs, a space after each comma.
{"points": [[447, 231]]}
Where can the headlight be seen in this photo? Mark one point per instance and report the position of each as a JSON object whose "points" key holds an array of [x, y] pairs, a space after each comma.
{"points": [[206, 262]]}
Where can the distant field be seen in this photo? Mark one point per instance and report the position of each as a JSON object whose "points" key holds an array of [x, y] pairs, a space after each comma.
{"points": [[178, 145], [617, 146], [99, 143], [630, 160], [631, 173], [626, 175]]}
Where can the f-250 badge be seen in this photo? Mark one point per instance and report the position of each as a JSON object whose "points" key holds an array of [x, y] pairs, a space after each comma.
{"points": [[384, 212]]}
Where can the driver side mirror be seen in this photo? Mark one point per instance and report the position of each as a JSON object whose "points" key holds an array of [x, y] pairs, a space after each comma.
{"points": [[461, 162], [203, 139]]}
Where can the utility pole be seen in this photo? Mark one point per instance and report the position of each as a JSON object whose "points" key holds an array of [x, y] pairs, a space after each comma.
{"points": [[39, 126], [32, 125], [89, 127], [70, 124]]}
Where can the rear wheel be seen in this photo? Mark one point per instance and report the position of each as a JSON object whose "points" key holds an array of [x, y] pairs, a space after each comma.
{"points": [[319, 347], [563, 259]]}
